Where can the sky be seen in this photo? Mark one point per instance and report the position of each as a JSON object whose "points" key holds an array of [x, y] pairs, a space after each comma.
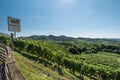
{"points": [[75, 18]]}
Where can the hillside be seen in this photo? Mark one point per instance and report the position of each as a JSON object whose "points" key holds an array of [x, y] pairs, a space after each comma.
{"points": [[66, 38], [30, 68], [50, 37], [66, 60], [36, 71], [82, 60]]}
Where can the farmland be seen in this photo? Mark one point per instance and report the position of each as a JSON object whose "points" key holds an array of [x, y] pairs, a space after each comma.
{"points": [[79, 59]]}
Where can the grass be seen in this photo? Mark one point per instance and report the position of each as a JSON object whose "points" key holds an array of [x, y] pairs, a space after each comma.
{"points": [[36, 71]]}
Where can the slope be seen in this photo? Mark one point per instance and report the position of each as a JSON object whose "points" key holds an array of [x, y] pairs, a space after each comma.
{"points": [[36, 71]]}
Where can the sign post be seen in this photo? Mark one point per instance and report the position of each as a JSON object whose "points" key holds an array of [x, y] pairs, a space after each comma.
{"points": [[13, 25]]}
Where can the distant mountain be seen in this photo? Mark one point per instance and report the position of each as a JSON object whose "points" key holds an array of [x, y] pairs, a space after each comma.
{"points": [[114, 39], [50, 37], [65, 38]]}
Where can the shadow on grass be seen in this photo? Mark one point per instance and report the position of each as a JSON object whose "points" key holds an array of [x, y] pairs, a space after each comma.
{"points": [[44, 62], [59, 70], [29, 56]]}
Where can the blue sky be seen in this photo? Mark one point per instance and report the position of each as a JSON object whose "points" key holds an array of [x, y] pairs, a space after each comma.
{"points": [[76, 18]]}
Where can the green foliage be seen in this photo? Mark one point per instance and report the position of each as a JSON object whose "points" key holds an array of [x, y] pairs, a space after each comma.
{"points": [[96, 66], [20, 44], [103, 65], [5, 39]]}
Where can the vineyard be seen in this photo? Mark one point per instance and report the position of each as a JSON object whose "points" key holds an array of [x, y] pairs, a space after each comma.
{"points": [[84, 60], [100, 65]]}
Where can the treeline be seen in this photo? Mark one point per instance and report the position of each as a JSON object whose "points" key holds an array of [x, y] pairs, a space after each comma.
{"points": [[75, 66], [110, 48], [91, 47], [66, 38], [79, 50]]}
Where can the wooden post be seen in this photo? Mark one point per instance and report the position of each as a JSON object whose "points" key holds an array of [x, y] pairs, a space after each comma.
{"points": [[12, 46]]}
